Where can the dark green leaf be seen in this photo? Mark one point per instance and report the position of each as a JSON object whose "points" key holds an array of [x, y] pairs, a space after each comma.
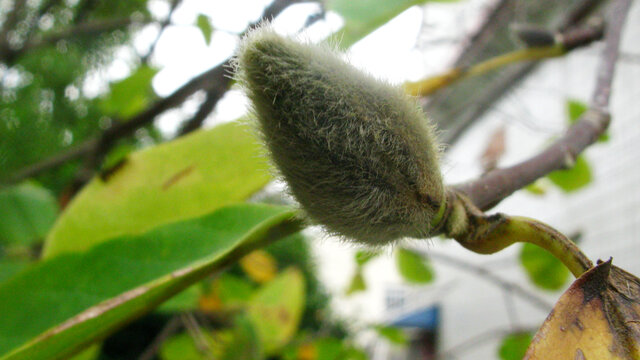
{"points": [[572, 179], [130, 95], [27, 212], [205, 27], [413, 267], [514, 346], [391, 333], [76, 298], [543, 269]]}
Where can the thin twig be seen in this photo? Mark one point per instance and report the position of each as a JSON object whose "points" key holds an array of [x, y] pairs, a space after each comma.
{"points": [[194, 330], [169, 329], [514, 288], [490, 189], [569, 40]]}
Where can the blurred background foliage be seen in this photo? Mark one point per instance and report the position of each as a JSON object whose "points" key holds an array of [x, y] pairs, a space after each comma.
{"points": [[75, 162]]}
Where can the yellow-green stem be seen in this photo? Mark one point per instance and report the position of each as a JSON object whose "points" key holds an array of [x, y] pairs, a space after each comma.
{"points": [[522, 229], [429, 85]]}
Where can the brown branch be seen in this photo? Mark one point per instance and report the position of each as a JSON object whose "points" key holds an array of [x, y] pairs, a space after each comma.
{"points": [[490, 189], [512, 287], [212, 98]]}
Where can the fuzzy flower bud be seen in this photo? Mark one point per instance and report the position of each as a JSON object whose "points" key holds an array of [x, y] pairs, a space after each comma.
{"points": [[357, 153]]}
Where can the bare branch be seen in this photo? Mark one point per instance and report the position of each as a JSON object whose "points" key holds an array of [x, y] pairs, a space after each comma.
{"points": [[490, 189]]}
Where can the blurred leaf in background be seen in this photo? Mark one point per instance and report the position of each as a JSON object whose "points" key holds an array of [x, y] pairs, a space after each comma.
{"points": [[542, 268], [514, 346], [413, 267]]}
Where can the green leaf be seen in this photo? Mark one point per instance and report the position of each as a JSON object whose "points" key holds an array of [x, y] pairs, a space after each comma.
{"points": [[363, 257], [276, 308], [536, 188], [357, 283], [514, 346], [240, 342], [392, 333], [413, 267], [543, 269], [59, 306], [233, 290], [130, 95], [181, 347], [574, 178], [364, 16], [182, 179], [10, 267], [575, 109], [237, 342], [205, 27], [27, 212], [329, 348]]}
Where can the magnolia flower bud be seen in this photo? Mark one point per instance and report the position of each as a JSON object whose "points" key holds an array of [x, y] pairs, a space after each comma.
{"points": [[357, 153]]}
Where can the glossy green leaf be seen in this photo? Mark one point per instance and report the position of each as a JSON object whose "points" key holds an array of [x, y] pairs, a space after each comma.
{"points": [[413, 267], [543, 269], [514, 346], [276, 308], [58, 306], [574, 178], [364, 16], [27, 212], [130, 95], [182, 179], [205, 27], [575, 109], [357, 283], [392, 333]]}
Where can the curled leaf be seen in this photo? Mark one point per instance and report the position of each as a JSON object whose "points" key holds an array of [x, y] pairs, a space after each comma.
{"points": [[598, 317]]}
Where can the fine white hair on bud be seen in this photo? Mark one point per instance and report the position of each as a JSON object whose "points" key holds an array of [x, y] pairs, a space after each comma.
{"points": [[357, 153]]}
